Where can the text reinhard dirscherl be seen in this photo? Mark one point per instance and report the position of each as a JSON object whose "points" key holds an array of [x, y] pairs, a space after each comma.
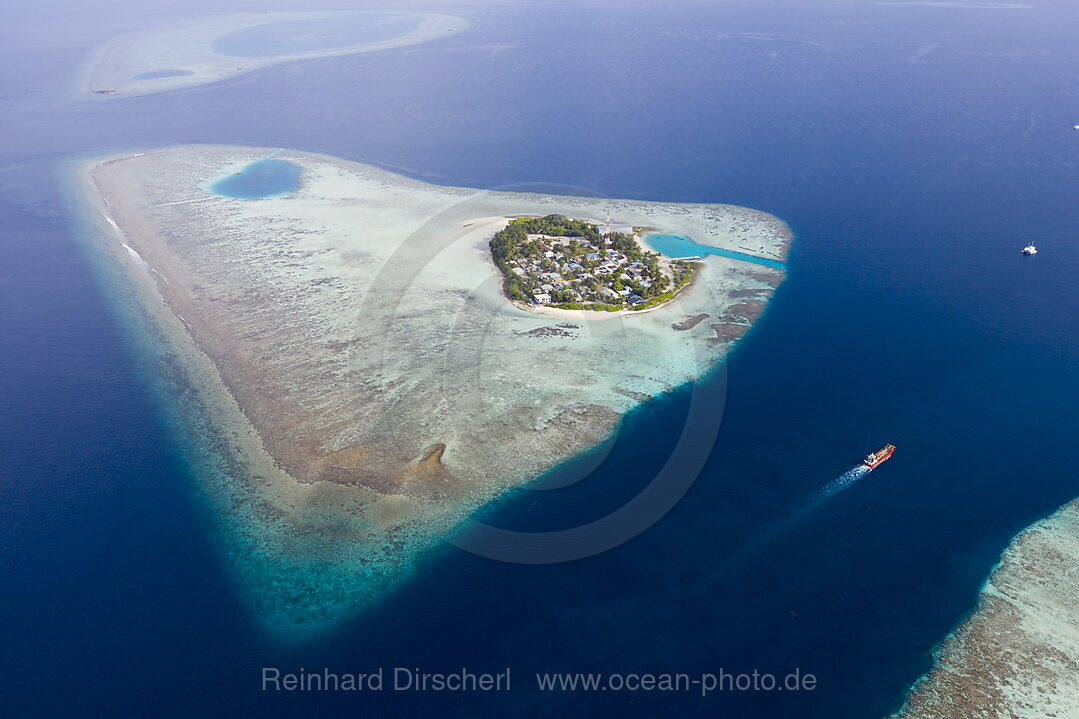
{"points": [[403, 679]]}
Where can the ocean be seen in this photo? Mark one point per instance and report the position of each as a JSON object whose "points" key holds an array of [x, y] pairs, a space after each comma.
{"points": [[914, 149]]}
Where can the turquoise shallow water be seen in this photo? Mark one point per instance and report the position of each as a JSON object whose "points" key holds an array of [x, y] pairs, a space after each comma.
{"points": [[300, 36], [261, 179], [679, 246]]}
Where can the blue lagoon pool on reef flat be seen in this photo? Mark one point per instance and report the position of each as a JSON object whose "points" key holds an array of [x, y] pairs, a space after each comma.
{"points": [[678, 246], [260, 180]]}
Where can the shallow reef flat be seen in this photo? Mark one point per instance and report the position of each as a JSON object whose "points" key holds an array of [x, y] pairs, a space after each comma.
{"points": [[364, 385], [1018, 654], [215, 48]]}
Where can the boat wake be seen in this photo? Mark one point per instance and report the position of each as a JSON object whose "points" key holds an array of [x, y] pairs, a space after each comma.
{"points": [[816, 501], [839, 484], [844, 481]]}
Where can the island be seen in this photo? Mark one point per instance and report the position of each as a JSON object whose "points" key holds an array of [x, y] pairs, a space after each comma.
{"points": [[347, 378], [572, 264], [1016, 655]]}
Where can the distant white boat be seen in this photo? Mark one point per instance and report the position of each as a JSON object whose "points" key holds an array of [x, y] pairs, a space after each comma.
{"points": [[1030, 249]]}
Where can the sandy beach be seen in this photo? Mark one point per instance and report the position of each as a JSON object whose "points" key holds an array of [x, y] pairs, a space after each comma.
{"points": [[366, 384]]}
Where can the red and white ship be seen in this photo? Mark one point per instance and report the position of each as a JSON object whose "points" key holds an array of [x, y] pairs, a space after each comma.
{"points": [[877, 458]]}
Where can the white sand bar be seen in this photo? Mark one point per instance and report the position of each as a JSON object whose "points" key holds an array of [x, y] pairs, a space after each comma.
{"points": [[215, 48], [352, 344]]}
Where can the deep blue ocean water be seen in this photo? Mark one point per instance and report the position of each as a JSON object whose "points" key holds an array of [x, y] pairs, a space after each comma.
{"points": [[259, 180], [914, 150]]}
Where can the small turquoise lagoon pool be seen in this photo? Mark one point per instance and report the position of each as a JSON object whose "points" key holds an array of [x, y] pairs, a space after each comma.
{"points": [[260, 180]]}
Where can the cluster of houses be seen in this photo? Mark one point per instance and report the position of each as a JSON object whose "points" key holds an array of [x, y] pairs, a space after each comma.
{"points": [[572, 269]]}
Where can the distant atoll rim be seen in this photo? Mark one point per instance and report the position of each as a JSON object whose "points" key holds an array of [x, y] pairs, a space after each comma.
{"points": [[210, 49]]}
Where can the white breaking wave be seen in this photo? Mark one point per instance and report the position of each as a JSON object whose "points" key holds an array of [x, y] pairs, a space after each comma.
{"points": [[138, 258], [131, 250], [113, 223]]}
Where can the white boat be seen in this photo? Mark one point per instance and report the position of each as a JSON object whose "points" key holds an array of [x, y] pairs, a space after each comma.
{"points": [[1030, 249]]}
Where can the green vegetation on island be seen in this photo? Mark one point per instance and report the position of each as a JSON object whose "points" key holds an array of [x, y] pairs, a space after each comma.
{"points": [[570, 264]]}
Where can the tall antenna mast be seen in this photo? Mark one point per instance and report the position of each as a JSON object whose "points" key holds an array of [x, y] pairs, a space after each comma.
{"points": [[607, 237]]}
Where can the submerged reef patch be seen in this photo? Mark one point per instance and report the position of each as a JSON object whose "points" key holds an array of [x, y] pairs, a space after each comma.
{"points": [[215, 48]]}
